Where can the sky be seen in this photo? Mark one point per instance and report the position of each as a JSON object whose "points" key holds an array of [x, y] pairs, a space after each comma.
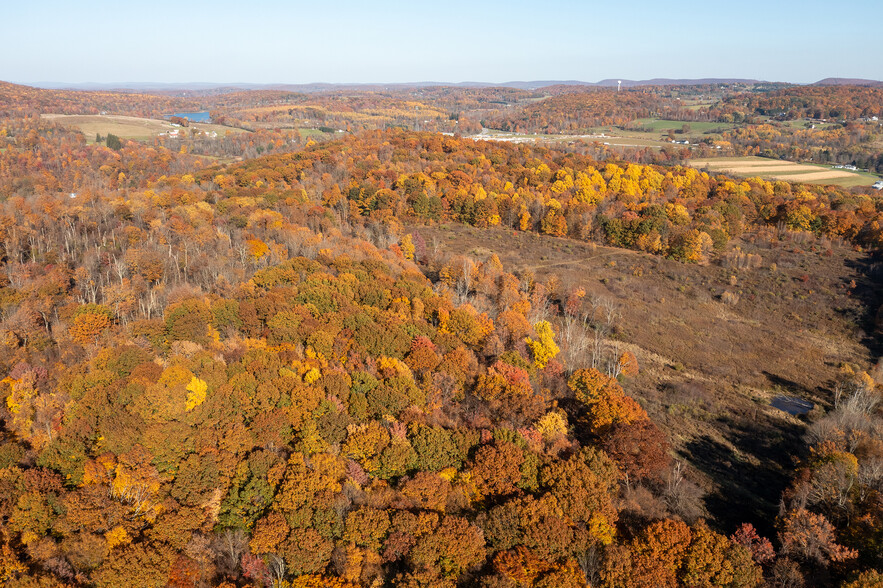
{"points": [[383, 41]]}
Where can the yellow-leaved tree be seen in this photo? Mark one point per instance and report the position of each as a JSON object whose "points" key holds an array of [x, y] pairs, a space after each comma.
{"points": [[195, 393], [544, 348], [408, 247]]}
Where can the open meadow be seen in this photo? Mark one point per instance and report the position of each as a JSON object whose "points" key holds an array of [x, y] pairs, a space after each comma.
{"points": [[129, 127], [711, 365], [664, 126]]}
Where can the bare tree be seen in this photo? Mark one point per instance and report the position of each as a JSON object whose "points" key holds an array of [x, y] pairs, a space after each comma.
{"points": [[590, 564], [464, 284], [229, 545], [575, 340], [277, 571], [681, 496]]}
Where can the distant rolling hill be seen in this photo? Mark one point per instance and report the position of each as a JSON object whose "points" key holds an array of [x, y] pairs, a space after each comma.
{"points": [[204, 87], [677, 82], [848, 82], [220, 88]]}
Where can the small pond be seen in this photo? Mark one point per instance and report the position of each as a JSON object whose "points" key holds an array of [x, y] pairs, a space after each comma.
{"points": [[791, 405], [200, 117]]}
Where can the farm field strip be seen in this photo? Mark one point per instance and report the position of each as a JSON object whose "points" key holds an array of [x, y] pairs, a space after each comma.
{"points": [[742, 161], [783, 170], [791, 169], [811, 176]]}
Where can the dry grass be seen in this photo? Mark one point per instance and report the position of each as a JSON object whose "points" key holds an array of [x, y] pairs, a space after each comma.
{"points": [[727, 162], [769, 169], [772, 317], [775, 169], [815, 176], [674, 310]]}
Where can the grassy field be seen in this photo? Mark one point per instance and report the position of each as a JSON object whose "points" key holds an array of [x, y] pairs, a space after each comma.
{"points": [[308, 133], [128, 127], [652, 132], [653, 139], [802, 122], [696, 104], [774, 169], [663, 126], [631, 140], [606, 135]]}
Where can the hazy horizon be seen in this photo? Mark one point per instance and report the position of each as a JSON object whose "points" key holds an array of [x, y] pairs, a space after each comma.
{"points": [[202, 85], [273, 42]]}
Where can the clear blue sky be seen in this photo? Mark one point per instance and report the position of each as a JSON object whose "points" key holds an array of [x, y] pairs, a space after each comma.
{"points": [[273, 41]]}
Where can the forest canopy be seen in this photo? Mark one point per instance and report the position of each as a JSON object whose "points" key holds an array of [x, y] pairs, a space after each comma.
{"points": [[257, 372]]}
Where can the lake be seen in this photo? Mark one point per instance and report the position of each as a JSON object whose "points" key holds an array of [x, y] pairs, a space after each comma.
{"points": [[200, 117]]}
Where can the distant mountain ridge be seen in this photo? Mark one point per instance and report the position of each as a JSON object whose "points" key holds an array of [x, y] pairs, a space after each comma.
{"points": [[319, 86], [214, 87]]}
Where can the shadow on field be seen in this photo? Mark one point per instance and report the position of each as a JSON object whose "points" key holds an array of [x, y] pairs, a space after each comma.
{"points": [[869, 290], [795, 389], [748, 492]]}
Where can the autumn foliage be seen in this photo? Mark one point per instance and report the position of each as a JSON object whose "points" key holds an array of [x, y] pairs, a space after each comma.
{"points": [[253, 375]]}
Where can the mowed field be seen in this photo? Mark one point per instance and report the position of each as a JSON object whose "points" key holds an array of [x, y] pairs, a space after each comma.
{"points": [[129, 127], [774, 169], [663, 125]]}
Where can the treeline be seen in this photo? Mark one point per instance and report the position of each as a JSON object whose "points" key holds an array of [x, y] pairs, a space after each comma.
{"points": [[366, 110], [559, 110], [853, 143], [578, 112], [457, 99], [678, 212], [817, 102], [21, 101], [17, 101], [576, 109], [234, 144], [40, 157]]}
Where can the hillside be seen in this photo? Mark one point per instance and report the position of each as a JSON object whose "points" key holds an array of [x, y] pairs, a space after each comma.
{"points": [[847, 82], [716, 344], [413, 359]]}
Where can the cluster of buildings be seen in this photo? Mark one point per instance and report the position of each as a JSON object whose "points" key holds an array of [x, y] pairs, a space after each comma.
{"points": [[176, 133]]}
